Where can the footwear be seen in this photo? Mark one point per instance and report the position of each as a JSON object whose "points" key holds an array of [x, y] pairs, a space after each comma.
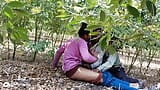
{"points": [[142, 84], [154, 87]]}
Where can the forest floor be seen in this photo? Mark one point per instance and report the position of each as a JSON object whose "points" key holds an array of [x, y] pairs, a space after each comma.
{"points": [[21, 74]]}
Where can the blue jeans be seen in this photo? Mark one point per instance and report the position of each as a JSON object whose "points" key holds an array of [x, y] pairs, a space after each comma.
{"points": [[119, 73], [109, 80]]}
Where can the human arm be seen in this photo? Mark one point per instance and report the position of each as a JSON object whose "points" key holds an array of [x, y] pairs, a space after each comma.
{"points": [[110, 62], [86, 56], [100, 57], [59, 52], [57, 56]]}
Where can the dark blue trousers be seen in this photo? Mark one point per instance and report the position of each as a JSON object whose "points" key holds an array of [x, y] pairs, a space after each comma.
{"points": [[109, 80], [119, 73]]}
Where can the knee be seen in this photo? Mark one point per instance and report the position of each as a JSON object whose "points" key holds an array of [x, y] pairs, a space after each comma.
{"points": [[98, 80]]}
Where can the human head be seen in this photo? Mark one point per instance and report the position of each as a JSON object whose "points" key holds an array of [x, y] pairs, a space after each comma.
{"points": [[96, 37], [98, 33], [84, 34]]}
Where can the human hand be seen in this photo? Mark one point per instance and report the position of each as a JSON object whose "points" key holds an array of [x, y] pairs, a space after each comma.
{"points": [[94, 53], [96, 70]]}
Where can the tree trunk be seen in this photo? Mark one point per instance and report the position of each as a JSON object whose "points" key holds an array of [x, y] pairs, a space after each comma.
{"points": [[35, 38], [134, 58], [14, 51]]}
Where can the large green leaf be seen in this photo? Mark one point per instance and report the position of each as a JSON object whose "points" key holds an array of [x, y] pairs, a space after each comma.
{"points": [[19, 35], [151, 7], [143, 4], [129, 2], [91, 27], [111, 49], [15, 4], [63, 16], [91, 3], [21, 12], [8, 12], [102, 16], [22, 33], [109, 23], [154, 1], [103, 42], [115, 2], [133, 11]]}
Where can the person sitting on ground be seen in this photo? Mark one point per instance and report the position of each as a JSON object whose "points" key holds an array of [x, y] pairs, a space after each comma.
{"points": [[77, 51], [111, 62]]}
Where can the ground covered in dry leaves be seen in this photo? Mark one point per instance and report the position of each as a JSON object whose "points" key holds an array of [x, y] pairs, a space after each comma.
{"points": [[22, 75]]}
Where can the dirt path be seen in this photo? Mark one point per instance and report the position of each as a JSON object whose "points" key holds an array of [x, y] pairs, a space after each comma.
{"points": [[17, 75]]}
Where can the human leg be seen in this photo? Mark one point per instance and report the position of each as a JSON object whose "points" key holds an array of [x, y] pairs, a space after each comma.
{"points": [[119, 73], [87, 75], [109, 80], [123, 76]]}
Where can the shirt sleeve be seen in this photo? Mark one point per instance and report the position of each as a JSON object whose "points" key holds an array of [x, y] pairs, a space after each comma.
{"points": [[100, 57], [86, 56], [110, 62], [58, 54]]}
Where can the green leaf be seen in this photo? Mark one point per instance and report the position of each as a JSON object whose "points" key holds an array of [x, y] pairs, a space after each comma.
{"points": [[154, 1], [151, 7], [22, 33], [21, 12], [9, 26], [91, 3], [8, 12], [91, 27], [129, 2], [133, 11], [111, 49], [109, 23], [135, 36], [16, 4], [63, 16], [115, 2], [143, 4], [102, 16], [103, 42]]}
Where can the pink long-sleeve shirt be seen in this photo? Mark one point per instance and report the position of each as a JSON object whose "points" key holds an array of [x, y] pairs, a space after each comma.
{"points": [[59, 52], [74, 52]]}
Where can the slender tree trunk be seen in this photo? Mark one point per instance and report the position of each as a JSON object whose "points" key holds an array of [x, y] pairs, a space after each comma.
{"points": [[40, 33], [35, 39], [57, 34], [151, 56], [14, 51], [142, 59], [52, 39], [8, 48], [134, 58], [62, 38]]}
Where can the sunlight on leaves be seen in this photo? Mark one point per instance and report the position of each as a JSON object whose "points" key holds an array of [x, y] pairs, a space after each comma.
{"points": [[36, 10]]}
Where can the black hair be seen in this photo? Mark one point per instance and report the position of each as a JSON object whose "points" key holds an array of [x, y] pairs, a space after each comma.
{"points": [[97, 29], [82, 30], [83, 26]]}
